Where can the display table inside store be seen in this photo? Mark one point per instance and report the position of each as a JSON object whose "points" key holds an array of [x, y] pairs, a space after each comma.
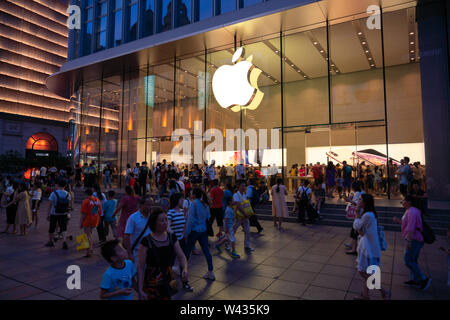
{"points": [[294, 182]]}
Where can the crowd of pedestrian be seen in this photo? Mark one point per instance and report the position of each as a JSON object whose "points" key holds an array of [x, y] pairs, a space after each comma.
{"points": [[168, 209]]}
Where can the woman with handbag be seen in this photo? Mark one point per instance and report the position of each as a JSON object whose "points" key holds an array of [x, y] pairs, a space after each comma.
{"points": [[156, 256], [353, 207], [369, 249]]}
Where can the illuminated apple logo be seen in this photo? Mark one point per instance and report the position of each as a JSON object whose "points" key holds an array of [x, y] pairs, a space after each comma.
{"points": [[236, 86]]}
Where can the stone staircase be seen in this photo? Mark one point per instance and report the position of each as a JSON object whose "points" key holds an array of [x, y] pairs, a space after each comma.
{"points": [[335, 215]]}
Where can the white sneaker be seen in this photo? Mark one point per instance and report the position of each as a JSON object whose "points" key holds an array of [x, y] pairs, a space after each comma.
{"points": [[176, 269], [209, 275]]}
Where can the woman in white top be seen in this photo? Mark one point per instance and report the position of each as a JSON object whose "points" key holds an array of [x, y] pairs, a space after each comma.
{"points": [[354, 200], [36, 198], [279, 206], [369, 249]]}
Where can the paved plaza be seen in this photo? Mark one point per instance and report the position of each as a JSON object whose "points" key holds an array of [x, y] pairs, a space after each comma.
{"points": [[298, 262]]}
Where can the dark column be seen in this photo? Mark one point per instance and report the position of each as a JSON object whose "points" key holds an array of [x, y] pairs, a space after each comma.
{"points": [[432, 18]]}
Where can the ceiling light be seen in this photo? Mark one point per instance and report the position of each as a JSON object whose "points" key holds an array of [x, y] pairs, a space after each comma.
{"points": [[332, 65], [276, 51], [411, 33], [337, 71], [412, 51], [285, 59], [363, 42], [367, 51], [298, 71], [304, 76], [370, 58], [321, 51], [185, 71], [412, 58], [292, 65], [412, 42], [372, 65], [316, 43], [359, 33]]}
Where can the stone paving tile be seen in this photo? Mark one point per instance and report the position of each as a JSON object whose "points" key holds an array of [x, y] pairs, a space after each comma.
{"points": [[320, 293], [333, 282], [309, 258], [235, 292], [254, 282], [203, 289], [63, 291], [287, 288], [6, 283], [273, 296], [277, 262], [339, 271], [307, 266], [298, 276], [19, 292], [268, 271], [44, 296]]}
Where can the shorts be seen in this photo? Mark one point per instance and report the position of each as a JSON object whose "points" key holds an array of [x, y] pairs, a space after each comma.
{"points": [[61, 220], [230, 234], [348, 183], [217, 213]]}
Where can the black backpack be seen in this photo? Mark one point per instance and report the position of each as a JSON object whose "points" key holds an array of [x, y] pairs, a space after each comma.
{"points": [[62, 204], [304, 196], [428, 234]]}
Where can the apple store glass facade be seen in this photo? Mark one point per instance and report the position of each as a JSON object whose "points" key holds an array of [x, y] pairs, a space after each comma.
{"points": [[330, 90]]}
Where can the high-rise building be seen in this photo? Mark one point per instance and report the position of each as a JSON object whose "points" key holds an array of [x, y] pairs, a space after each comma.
{"points": [[356, 80], [33, 45]]}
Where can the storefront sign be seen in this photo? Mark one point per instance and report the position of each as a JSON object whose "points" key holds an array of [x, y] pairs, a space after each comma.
{"points": [[236, 86]]}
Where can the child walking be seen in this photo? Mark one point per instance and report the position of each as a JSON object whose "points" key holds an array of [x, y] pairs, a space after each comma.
{"points": [[229, 237], [120, 278], [109, 207]]}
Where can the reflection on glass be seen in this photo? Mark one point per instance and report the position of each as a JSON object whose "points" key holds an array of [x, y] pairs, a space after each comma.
{"points": [[149, 13], [117, 28], [224, 6], [184, 12], [247, 3], [132, 21], [87, 38], [203, 9], [165, 15]]}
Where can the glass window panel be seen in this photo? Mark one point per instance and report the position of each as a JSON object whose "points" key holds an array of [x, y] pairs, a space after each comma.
{"points": [[132, 22], [247, 3], [117, 28], [224, 6], [103, 8], [184, 12], [149, 14], [101, 41], [103, 23], [165, 15], [118, 4], [87, 38], [90, 14], [203, 9]]}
